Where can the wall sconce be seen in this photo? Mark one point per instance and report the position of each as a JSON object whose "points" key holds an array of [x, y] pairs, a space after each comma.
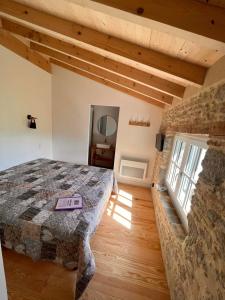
{"points": [[32, 122]]}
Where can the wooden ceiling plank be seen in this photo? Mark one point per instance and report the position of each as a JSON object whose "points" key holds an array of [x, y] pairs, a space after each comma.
{"points": [[107, 83], [188, 15], [128, 83], [96, 59], [12, 43], [170, 65]]}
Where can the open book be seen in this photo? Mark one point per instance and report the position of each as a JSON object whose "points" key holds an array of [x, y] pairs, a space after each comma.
{"points": [[69, 203]]}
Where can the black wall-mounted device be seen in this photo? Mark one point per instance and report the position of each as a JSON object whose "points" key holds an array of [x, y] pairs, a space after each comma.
{"points": [[159, 141]]}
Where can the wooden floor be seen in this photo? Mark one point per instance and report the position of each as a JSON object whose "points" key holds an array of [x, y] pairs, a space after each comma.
{"points": [[128, 259]]}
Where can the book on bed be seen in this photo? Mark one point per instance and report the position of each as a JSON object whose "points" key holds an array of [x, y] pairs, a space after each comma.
{"points": [[69, 203]]}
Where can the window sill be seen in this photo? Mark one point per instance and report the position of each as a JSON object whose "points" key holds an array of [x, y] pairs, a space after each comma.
{"points": [[171, 214]]}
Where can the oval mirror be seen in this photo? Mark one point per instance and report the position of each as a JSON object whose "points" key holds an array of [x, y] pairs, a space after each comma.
{"points": [[106, 125]]}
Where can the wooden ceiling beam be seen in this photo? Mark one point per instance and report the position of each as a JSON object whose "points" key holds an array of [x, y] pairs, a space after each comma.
{"points": [[168, 64], [140, 76], [12, 43], [108, 83], [189, 15], [116, 78]]}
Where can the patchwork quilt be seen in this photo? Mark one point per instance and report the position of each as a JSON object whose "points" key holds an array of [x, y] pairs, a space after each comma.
{"points": [[30, 225]]}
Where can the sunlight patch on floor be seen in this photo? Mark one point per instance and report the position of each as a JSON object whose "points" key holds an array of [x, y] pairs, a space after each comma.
{"points": [[125, 195], [124, 201], [118, 213], [123, 212], [122, 221]]}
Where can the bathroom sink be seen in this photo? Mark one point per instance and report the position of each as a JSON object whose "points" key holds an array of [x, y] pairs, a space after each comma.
{"points": [[103, 146]]}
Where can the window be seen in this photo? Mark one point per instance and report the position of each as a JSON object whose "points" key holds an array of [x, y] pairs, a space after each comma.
{"points": [[184, 169]]}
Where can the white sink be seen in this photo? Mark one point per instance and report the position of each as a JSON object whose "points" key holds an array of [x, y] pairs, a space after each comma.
{"points": [[103, 146]]}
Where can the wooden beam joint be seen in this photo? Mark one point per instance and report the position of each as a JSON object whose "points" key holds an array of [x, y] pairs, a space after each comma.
{"points": [[105, 74], [12, 43], [105, 63]]}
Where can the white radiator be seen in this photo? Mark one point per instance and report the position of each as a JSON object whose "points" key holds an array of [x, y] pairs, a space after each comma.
{"points": [[133, 169]]}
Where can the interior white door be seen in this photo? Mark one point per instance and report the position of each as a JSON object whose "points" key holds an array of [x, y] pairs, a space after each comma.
{"points": [[3, 290]]}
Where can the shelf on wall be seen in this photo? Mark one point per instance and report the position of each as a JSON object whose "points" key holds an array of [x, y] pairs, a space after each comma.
{"points": [[140, 123]]}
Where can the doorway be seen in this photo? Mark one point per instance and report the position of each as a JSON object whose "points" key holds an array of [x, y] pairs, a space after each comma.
{"points": [[103, 135]]}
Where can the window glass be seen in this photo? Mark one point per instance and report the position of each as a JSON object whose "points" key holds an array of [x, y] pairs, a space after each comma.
{"points": [[175, 175], [174, 171], [178, 152], [191, 161], [184, 169], [183, 189]]}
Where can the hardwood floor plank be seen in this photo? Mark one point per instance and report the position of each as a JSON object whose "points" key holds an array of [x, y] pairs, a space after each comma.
{"points": [[124, 290], [142, 255]]}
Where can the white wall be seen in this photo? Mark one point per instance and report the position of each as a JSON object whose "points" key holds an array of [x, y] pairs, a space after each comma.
{"points": [[214, 74], [24, 89], [73, 96]]}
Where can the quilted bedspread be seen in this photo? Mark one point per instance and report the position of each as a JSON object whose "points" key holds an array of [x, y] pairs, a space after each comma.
{"points": [[30, 225]]}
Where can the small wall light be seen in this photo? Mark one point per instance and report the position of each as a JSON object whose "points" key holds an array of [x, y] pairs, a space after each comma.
{"points": [[32, 122]]}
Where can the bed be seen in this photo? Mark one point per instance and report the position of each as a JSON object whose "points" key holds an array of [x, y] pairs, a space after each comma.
{"points": [[30, 225]]}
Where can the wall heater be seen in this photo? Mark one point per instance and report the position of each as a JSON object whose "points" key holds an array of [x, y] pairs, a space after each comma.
{"points": [[133, 169]]}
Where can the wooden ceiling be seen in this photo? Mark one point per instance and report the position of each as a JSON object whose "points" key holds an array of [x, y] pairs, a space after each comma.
{"points": [[219, 3], [108, 41]]}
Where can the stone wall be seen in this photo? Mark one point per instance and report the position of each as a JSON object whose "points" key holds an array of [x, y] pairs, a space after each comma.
{"points": [[195, 261]]}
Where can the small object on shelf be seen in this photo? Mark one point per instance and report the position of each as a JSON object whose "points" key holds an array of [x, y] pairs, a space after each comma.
{"points": [[161, 188], [140, 123], [103, 146], [70, 203]]}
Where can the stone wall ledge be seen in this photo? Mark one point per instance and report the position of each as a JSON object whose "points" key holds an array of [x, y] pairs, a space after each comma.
{"points": [[171, 214]]}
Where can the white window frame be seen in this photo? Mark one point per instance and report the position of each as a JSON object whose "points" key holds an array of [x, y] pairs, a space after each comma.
{"points": [[189, 140]]}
